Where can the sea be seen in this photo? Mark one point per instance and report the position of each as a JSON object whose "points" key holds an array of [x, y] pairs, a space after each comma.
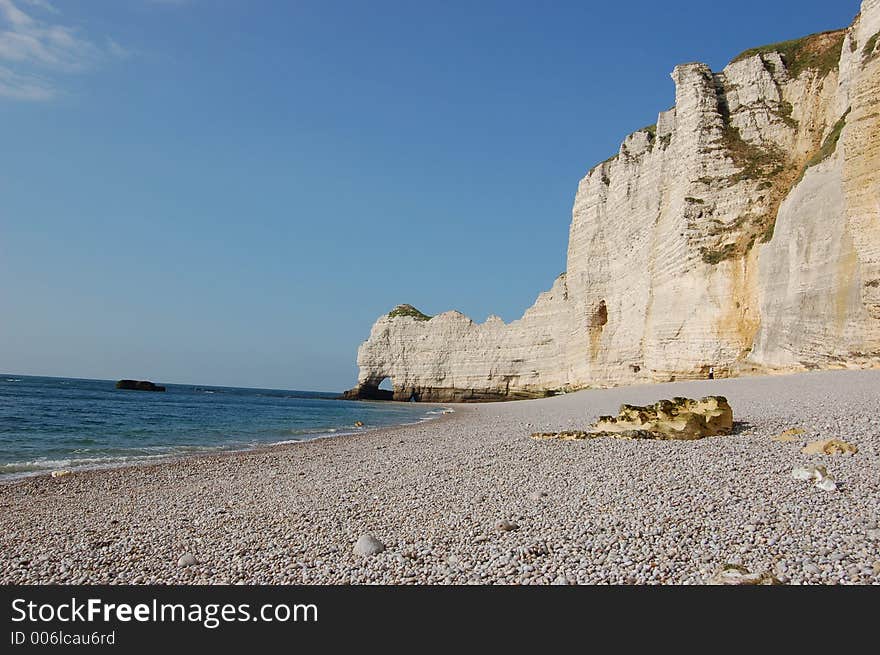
{"points": [[51, 423]]}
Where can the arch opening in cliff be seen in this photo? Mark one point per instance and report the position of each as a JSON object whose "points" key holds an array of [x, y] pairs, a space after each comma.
{"points": [[370, 390]]}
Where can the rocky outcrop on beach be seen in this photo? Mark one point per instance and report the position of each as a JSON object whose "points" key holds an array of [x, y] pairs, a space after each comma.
{"points": [[740, 232], [682, 419]]}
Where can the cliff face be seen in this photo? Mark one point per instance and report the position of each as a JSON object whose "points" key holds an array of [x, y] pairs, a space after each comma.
{"points": [[742, 232]]}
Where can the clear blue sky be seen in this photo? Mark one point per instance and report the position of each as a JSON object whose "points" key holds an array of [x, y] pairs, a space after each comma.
{"points": [[231, 191]]}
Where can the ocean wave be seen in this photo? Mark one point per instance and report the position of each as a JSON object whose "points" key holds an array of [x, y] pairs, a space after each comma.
{"points": [[67, 438], [35, 465], [39, 465], [305, 435], [438, 412], [282, 443], [312, 430]]}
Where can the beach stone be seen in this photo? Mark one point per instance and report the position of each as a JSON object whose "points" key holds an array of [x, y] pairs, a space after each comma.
{"points": [[367, 545], [679, 418], [788, 435], [812, 569], [536, 549], [874, 534], [827, 484], [187, 559], [829, 447], [801, 473], [562, 580], [506, 526], [817, 473], [733, 574]]}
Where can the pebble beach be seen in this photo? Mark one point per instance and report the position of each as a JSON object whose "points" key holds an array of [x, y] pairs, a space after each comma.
{"points": [[470, 498]]}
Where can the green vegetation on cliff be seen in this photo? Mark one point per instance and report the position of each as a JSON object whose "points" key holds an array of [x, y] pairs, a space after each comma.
{"points": [[408, 310], [767, 163], [727, 251], [868, 51], [819, 52], [779, 175], [830, 143], [754, 161]]}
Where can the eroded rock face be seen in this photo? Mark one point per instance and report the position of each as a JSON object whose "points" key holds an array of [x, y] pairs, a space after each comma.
{"points": [[679, 419], [740, 232]]}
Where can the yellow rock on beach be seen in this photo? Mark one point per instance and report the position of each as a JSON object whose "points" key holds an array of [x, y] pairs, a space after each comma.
{"points": [[679, 418], [789, 435], [829, 447]]}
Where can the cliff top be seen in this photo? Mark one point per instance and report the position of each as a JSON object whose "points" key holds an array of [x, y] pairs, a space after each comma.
{"points": [[408, 310], [820, 52]]}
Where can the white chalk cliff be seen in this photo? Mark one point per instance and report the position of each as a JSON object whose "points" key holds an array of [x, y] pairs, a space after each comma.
{"points": [[740, 232]]}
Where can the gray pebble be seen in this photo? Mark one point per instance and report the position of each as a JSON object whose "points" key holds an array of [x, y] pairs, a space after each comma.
{"points": [[187, 559], [367, 546]]}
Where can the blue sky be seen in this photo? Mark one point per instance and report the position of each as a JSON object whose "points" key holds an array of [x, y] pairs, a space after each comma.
{"points": [[231, 191]]}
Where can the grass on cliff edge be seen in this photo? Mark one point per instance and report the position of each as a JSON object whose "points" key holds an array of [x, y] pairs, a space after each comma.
{"points": [[766, 223], [868, 51], [819, 52], [408, 310], [828, 146]]}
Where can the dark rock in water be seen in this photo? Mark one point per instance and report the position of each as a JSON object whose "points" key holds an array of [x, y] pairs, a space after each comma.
{"points": [[139, 385], [367, 393]]}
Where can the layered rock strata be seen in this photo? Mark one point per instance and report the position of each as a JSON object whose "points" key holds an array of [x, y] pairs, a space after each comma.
{"points": [[741, 233]]}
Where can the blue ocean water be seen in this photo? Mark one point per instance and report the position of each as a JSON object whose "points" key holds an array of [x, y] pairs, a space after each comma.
{"points": [[51, 423]]}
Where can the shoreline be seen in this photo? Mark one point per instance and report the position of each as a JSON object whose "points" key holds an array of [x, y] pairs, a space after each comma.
{"points": [[170, 458], [597, 511]]}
